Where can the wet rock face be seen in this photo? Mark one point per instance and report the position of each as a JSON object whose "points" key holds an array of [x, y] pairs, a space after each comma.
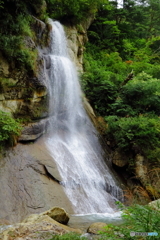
{"points": [[34, 130], [76, 39], [75, 42], [29, 183]]}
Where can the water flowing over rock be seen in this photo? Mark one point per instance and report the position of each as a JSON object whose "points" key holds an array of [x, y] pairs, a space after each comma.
{"points": [[73, 141], [29, 182], [64, 167]]}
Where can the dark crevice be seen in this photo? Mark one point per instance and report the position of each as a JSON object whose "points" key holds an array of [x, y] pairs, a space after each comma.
{"points": [[50, 176]]}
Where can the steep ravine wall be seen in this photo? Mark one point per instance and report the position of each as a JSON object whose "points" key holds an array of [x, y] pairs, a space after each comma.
{"points": [[24, 93], [29, 181]]}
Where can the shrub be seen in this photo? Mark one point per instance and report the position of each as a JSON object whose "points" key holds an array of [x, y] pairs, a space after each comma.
{"points": [[136, 218], [141, 131], [14, 29], [99, 83], [140, 95], [74, 10], [9, 127], [68, 236]]}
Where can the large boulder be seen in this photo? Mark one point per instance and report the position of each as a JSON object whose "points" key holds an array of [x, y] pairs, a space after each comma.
{"points": [[58, 214], [155, 204], [119, 159], [94, 228], [36, 226], [32, 131]]}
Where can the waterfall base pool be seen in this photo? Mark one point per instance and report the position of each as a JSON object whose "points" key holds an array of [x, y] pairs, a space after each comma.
{"points": [[83, 221]]}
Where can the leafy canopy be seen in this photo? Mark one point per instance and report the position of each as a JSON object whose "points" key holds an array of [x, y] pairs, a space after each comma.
{"points": [[72, 10], [122, 74]]}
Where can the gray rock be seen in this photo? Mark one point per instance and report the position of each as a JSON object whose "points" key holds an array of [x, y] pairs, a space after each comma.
{"points": [[96, 227], [58, 214], [26, 187], [29, 42], [32, 131]]}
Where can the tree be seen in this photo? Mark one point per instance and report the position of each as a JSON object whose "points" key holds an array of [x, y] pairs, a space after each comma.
{"points": [[72, 10], [9, 127]]}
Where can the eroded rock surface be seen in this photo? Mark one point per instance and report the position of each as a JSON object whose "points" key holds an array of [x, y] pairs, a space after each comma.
{"points": [[30, 182], [36, 226], [24, 93], [119, 159], [76, 38]]}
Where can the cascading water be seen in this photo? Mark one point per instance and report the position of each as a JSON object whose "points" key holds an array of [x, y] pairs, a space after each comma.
{"points": [[73, 141]]}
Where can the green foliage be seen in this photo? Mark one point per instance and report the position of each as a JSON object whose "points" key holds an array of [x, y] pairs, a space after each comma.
{"points": [[72, 10], [99, 85], [6, 82], [142, 132], [68, 236], [9, 127], [1, 3], [123, 41], [139, 96], [14, 50], [114, 26], [136, 218], [102, 80], [15, 25]]}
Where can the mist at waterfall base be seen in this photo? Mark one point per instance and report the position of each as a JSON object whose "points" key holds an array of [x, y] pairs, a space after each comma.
{"points": [[73, 141]]}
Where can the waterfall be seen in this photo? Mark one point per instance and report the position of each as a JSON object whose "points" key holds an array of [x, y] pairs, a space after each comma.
{"points": [[73, 140]]}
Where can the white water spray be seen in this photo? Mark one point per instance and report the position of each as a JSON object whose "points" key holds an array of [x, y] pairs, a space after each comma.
{"points": [[73, 141]]}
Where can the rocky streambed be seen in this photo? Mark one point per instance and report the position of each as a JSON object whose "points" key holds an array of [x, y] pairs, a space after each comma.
{"points": [[55, 221]]}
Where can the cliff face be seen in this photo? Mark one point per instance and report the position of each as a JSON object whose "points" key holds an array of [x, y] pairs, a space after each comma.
{"points": [[29, 180], [77, 37], [25, 95]]}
